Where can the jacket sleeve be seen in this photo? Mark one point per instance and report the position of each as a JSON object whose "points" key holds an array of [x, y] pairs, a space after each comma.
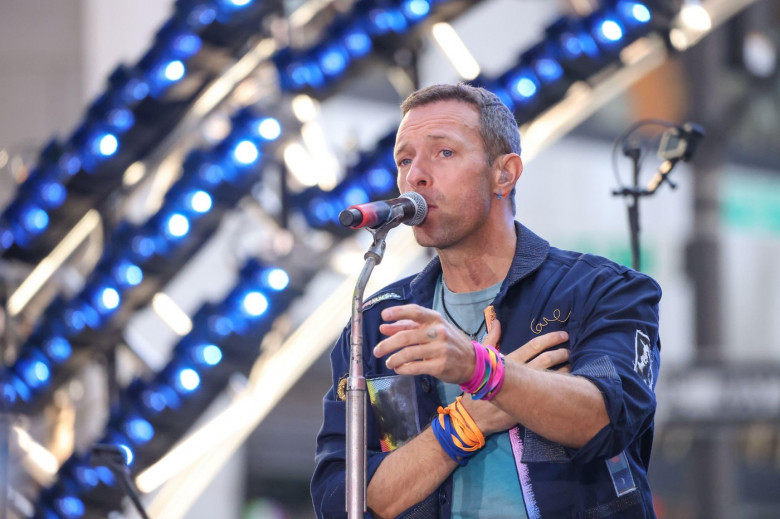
{"points": [[328, 484], [617, 347]]}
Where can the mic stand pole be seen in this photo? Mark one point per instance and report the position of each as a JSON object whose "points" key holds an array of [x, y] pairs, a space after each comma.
{"points": [[633, 209], [636, 193], [356, 383]]}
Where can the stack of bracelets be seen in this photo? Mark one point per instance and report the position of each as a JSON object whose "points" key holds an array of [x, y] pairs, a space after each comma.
{"points": [[455, 430]]}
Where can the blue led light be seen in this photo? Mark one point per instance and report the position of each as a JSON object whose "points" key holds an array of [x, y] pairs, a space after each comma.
{"points": [[87, 476], [211, 173], [548, 70], [199, 201], [74, 320], [105, 144], [160, 398], [387, 19], [322, 210], [105, 475], [276, 279], [222, 325], [246, 153], [254, 303], [355, 195], [524, 87], [185, 45], [608, 31], [174, 70], [70, 507], [6, 238], [8, 393], [128, 274], [208, 354], [57, 348], [177, 225], [120, 119], [333, 60], [143, 246], [138, 430], [415, 10], [53, 194], [634, 13], [201, 16], [34, 219], [380, 179], [136, 90], [108, 299], [34, 371], [357, 42], [70, 163], [305, 75], [268, 128], [238, 3], [187, 379]]}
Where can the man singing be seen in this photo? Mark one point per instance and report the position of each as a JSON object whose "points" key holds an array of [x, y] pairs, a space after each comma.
{"points": [[482, 329]]}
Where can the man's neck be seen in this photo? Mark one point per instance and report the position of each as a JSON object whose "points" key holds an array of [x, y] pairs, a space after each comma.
{"points": [[468, 268]]}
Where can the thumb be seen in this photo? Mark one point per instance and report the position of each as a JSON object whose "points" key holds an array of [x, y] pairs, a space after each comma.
{"points": [[494, 335]]}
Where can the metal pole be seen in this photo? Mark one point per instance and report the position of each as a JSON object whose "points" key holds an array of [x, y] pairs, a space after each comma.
{"points": [[356, 403], [356, 382]]}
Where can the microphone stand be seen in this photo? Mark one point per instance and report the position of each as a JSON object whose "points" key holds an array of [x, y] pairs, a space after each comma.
{"points": [[356, 382]]}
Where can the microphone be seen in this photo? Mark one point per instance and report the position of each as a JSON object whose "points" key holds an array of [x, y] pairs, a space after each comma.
{"points": [[410, 206], [677, 143]]}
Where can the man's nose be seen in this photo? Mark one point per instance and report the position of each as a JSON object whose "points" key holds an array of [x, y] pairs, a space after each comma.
{"points": [[418, 174]]}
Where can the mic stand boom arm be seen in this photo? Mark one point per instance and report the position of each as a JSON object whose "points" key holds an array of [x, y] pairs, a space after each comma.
{"points": [[356, 382]]}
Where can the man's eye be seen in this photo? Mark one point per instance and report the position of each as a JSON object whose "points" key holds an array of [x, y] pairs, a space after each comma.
{"points": [[404, 162], [446, 153]]}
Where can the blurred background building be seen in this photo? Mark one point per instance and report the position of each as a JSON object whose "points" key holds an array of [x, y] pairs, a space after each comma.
{"points": [[172, 278]]}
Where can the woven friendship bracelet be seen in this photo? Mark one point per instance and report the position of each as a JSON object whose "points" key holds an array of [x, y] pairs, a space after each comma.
{"points": [[457, 432]]}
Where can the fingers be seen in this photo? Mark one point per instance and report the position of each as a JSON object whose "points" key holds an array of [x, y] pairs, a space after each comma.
{"points": [[408, 336], [494, 335], [415, 313], [550, 359], [538, 345], [398, 326]]}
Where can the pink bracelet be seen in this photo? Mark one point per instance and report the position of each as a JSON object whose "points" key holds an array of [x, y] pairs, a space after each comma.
{"points": [[481, 357]]}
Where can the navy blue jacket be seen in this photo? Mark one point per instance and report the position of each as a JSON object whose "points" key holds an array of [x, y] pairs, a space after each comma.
{"points": [[611, 315]]}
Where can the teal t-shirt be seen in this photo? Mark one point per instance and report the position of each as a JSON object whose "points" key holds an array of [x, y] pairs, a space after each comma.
{"points": [[487, 487]]}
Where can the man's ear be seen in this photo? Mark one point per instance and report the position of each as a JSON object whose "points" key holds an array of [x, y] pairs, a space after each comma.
{"points": [[509, 167]]}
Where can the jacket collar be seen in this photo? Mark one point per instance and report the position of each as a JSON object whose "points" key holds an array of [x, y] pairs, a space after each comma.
{"points": [[530, 253]]}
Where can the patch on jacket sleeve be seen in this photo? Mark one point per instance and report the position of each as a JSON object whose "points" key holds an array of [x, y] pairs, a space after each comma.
{"points": [[381, 297], [643, 359]]}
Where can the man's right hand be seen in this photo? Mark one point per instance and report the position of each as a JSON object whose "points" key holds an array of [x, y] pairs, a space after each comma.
{"points": [[536, 354]]}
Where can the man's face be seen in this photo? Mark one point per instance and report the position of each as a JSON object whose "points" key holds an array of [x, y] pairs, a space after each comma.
{"points": [[440, 155]]}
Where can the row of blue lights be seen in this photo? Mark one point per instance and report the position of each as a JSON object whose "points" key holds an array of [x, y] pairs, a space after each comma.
{"points": [[99, 137], [156, 413], [350, 38], [573, 49], [207, 174], [372, 178]]}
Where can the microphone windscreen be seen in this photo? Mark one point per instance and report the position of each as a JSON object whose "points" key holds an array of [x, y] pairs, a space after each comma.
{"points": [[420, 206]]}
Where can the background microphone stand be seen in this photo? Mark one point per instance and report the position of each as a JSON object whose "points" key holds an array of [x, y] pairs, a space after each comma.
{"points": [[677, 143], [356, 382]]}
